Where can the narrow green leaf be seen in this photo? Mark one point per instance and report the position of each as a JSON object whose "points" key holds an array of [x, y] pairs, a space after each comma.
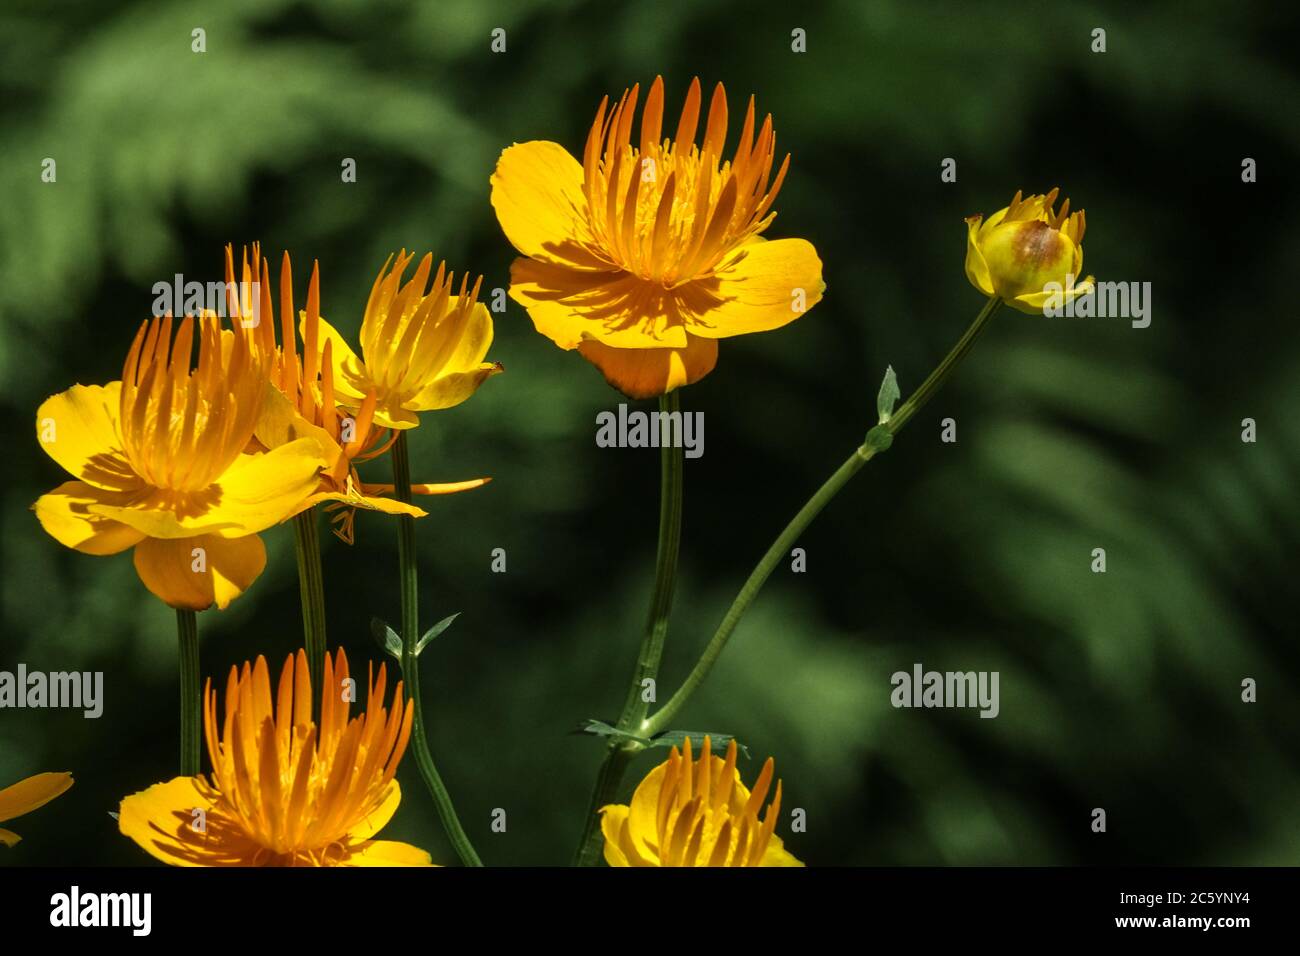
{"points": [[888, 396], [388, 640], [434, 631], [599, 728], [676, 738]]}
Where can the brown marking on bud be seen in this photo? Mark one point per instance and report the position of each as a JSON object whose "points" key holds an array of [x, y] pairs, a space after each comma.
{"points": [[1037, 245]]}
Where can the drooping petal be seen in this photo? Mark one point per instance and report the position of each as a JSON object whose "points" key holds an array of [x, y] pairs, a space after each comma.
{"points": [[1032, 303], [195, 573], [647, 373], [448, 390], [78, 429], [64, 514], [258, 491], [163, 822], [33, 792], [768, 284]]}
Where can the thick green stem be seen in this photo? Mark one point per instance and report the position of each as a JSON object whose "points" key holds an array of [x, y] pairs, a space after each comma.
{"points": [[311, 589], [637, 704], [410, 660], [781, 546], [187, 634]]}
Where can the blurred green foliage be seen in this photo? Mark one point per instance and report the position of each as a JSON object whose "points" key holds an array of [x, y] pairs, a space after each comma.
{"points": [[1119, 690]]}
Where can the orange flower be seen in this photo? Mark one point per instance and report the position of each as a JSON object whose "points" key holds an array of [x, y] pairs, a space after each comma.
{"points": [[284, 791], [646, 253], [309, 400]]}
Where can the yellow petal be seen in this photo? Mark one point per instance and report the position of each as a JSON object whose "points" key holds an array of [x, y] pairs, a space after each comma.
{"points": [[163, 822], [537, 192], [613, 819], [280, 423], [350, 378], [386, 853], [1031, 303], [31, 793], [9, 838], [443, 488], [643, 812], [367, 503], [379, 817], [647, 373], [977, 270], [777, 855], [64, 514], [176, 572], [78, 429], [764, 286], [451, 389], [570, 306]]}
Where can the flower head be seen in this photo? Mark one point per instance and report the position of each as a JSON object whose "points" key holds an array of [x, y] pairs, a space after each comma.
{"points": [[163, 465], [284, 790], [421, 348], [1025, 247], [696, 813], [306, 403], [28, 795], [648, 251]]}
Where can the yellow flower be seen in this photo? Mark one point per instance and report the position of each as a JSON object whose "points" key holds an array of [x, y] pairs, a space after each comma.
{"points": [[646, 253], [687, 813], [28, 795], [1025, 247], [306, 403], [162, 465], [419, 351], [284, 791]]}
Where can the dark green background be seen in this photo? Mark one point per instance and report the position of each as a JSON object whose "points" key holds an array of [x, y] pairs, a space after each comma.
{"points": [[1119, 690]]}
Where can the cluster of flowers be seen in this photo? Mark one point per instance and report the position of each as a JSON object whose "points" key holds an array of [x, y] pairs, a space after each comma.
{"points": [[641, 256]]}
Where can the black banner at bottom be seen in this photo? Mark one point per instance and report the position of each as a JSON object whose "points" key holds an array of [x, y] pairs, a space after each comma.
{"points": [[539, 905]]}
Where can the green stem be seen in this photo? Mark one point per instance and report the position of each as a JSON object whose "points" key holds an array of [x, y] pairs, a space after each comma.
{"points": [[782, 545], [311, 589], [187, 634], [410, 660], [635, 707]]}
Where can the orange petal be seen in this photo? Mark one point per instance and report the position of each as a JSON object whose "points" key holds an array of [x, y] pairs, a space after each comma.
{"points": [[195, 573], [647, 373]]}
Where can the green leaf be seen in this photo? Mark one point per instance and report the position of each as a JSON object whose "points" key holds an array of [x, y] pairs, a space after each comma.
{"points": [[386, 638], [434, 631], [888, 396], [601, 729], [677, 738], [880, 438]]}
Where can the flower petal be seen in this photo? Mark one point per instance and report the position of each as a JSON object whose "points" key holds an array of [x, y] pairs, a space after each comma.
{"points": [[570, 306], [78, 429], [350, 378], [1032, 303], [258, 491], [977, 270], [647, 373], [227, 567], [386, 853], [64, 514], [613, 819], [449, 390], [163, 822], [538, 195], [31, 793], [777, 855], [764, 286]]}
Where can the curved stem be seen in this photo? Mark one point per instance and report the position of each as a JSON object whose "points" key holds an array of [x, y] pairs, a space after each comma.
{"points": [[636, 705], [781, 546], [187, 634], [311, 590], [410, 660]]}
